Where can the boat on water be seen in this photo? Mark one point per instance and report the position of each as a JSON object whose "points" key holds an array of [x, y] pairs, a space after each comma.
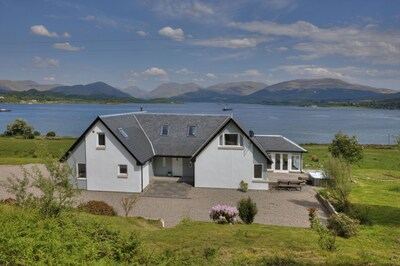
{"points": [[5, 110], [227, 108]]}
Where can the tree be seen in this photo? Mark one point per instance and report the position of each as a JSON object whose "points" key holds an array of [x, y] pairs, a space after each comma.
{"points": [[19, 127], [337, 172], [346, 147]]}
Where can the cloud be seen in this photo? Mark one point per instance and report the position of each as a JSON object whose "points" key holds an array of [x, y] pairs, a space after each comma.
{"points": [[39, 62], [142, 33], [282, 49], [100, 20], [151, 73], [66, 46], [183, 71], [362, 43], [229, 43], [250, 73], [49, 78], [41, 30], [175, 34], [280, 4], [211, 76], [183, 9], [310, 71]]}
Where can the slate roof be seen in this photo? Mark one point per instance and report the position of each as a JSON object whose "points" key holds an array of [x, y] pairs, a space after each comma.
{"points": [[278, 143], [140, 133]]}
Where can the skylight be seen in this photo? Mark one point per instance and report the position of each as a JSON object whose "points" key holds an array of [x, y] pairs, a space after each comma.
{"points": [[165, 130], [123, 133], [192, 131]]}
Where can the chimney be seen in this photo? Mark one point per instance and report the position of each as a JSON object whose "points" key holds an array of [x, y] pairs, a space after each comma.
{"points": [[251, 133]]}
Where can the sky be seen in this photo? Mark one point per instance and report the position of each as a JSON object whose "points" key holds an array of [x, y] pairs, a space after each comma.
{"points": [[146, 43]]}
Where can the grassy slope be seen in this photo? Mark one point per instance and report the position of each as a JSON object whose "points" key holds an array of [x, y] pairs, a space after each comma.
{"points": [[377, 185], [21, 151]]}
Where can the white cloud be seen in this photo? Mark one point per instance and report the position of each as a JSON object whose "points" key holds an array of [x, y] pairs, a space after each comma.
{"points": [[211, 76], [310, 71], [229, 43], [282, 49], [66, 46], [100, 20], [41, 30], [183, 9], [49, 78], [249, 73], [142, 33], [183, 71], [151, 73], [175, 34], [366, 44], [39, 62]]}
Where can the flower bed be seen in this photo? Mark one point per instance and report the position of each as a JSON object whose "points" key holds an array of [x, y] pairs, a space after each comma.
{"points": [[224, 214]]}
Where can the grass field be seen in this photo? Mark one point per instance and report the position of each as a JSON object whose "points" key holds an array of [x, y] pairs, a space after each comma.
{"points": [[376, 187], [21, 151]]}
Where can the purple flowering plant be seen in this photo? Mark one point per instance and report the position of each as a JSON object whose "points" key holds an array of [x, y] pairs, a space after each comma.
{"points": [[224, 214]]}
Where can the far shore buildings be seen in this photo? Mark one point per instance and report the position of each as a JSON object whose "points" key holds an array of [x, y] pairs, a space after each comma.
{"points": [[123, 152]]}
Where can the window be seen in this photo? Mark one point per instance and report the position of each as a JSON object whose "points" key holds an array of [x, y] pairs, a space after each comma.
{"points": [[278, 161], [123, 133], [258, 169], [101, 140], [191, 131], [164, 130], [231, 140], [284, 161], [295, 162], [122, 170], [81, 173], [269, 164]]}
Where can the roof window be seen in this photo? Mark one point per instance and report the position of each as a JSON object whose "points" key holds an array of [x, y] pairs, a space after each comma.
{"points": [[191, 131], [123, 133], [164, 130]]}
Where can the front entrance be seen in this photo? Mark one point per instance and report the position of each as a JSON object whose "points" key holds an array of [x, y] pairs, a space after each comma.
{"points": [[177, 167]]}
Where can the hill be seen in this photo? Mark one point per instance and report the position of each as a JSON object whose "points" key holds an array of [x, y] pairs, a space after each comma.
{"points": [[172, 89], [136, 92], [97, 88], [237, 88], [24, 85]]}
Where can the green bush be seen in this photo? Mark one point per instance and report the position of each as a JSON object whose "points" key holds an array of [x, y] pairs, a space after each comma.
{"points": [[342, 225], [36, 133], [361, 214], [97, 207], [327, 239], [247, 210], [51, 134]]}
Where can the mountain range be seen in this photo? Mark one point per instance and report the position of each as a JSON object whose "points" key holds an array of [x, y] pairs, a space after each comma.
{"points": [[294, 91]]}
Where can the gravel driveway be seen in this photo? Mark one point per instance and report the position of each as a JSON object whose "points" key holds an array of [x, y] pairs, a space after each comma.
{"points": [[286, 208]]}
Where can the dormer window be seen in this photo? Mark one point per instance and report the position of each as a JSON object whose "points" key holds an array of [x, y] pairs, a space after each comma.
{"points": [[231, 139], [191, 131], [164, 130]]}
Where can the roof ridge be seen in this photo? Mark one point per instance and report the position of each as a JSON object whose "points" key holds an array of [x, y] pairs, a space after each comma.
{"points": [[120, 114], [151, 143], [294, 143], [187, 114]]}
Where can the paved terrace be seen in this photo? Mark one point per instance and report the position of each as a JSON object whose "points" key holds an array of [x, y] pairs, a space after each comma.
{"points": [[172, 201]]}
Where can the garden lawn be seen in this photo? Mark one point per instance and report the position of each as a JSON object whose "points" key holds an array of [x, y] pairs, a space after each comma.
{"points": [[14, 151]]}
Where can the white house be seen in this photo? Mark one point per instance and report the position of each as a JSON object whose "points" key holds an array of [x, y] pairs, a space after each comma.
{"points": [[124, 152]]}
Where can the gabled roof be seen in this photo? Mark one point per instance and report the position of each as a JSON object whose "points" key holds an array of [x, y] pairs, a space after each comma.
{"points": [[140, 133], [272, 143], [178, 143]]}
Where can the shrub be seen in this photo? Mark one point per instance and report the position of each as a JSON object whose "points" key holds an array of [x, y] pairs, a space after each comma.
{"points": [[314, 158], [342, 225], [19, 127], [327, 240], [346, 147], [361, 214], [223, 214], [128, 203], [51, 134], [97, 207], [247, 210], [36, 133]]}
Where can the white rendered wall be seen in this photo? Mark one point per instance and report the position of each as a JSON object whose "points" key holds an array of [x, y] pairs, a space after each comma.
{"points": [[102, 164], [146, 174], [77, 156], [222, 167]]}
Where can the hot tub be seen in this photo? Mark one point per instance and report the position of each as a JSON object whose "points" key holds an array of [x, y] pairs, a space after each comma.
{"points": [[316, 178]]}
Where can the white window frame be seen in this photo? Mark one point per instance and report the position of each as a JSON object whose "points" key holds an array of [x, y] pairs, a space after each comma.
{"points": [[124, 175], [262, 171], [98, 146], [239, 144], [77, 171], [162, 130]]}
